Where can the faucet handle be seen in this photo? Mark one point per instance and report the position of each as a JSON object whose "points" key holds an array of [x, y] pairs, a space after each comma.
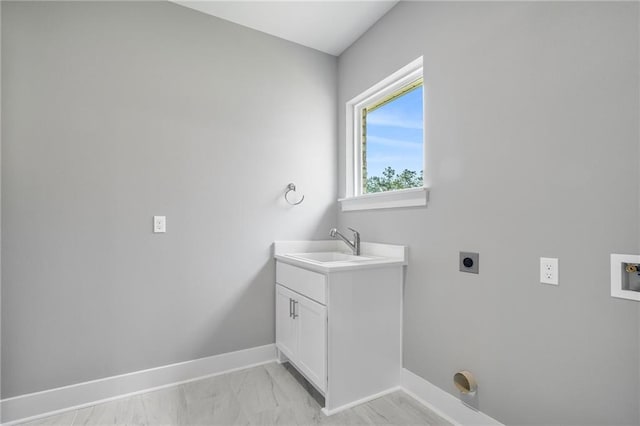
{"points": [[356, 242], [356, 238]]}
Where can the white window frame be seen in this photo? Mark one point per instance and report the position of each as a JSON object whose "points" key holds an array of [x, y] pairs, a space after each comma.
{"points": [[354, 198]]}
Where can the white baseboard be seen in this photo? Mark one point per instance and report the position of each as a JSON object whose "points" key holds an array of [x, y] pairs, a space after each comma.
{"points": [[36, 405], [45, 403], [442, 403]]}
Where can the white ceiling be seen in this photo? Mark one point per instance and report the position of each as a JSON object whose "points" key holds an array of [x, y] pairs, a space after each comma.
{"points": [[328, 26]]}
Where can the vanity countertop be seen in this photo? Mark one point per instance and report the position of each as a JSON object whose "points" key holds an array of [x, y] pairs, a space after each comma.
{"points": [[330, 255]]}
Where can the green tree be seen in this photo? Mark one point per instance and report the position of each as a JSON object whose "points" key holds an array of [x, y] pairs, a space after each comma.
{"points": [[390, 181]]}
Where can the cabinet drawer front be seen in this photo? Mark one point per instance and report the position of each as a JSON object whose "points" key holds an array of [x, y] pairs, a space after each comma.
{"points": [[308, 283]]}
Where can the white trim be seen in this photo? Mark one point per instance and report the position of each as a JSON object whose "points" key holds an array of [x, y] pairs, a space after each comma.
{"points": [[353, 160], [36, 405], [42, 404], [616, 276], [360, 401], [442, 403], [413, 197]]}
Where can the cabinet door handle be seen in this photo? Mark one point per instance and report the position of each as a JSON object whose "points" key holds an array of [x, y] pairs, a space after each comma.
{"points": [[295, 303], [290, 307]]}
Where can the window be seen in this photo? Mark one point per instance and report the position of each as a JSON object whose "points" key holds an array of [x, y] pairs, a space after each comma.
{"points": [[385, 143]]}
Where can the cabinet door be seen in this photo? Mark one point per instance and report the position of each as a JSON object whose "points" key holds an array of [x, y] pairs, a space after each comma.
{"points": [[286, 335], [311, 320]]}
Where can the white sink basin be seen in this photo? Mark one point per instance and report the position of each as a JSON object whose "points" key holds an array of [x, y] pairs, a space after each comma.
{"points": [[328, 257], [332, 255]]}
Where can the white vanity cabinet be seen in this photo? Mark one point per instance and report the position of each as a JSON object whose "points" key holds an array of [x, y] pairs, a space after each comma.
{"points": [[301, 333], [340, 323]]}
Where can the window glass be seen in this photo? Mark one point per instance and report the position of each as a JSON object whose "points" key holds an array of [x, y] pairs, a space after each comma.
{"points": [[392, 141]]}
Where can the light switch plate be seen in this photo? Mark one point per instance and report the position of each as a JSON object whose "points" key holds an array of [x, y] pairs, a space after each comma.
{"points": [[159, 224]]}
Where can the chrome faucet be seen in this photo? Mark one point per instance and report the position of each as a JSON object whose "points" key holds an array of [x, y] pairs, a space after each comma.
{"points": [[354, 246]]}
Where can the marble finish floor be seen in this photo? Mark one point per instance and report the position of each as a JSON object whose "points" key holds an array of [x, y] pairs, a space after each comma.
{"points": [[265, 395]]}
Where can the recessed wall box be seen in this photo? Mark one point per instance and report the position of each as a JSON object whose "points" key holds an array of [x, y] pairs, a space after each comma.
{"points": [[469, 262], [625, 276]]}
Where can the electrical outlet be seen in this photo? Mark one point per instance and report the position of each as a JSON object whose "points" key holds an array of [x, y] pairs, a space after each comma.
{"points": [[159, 224], [549, 270], [469, 262]]}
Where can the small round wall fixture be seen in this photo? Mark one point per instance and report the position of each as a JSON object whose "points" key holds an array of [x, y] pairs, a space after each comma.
{"points": [[465, 382]]}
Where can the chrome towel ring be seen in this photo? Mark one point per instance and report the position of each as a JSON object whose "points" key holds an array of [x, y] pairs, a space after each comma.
{"points": [[292, 187]]}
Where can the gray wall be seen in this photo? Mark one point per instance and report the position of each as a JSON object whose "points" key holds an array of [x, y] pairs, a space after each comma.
{"points": [[115, 112], [532, 150]]}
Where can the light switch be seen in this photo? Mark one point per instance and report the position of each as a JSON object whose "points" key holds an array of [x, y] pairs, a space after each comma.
{"points": [[159, 224]]}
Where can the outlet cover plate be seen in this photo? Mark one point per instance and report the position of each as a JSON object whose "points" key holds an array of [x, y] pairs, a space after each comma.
{"points": [[474, 264], [549, 270]]}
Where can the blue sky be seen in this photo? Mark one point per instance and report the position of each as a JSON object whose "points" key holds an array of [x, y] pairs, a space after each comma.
{"points": [[394, 135]]}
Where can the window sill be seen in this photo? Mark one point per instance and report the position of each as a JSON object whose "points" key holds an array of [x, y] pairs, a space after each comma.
{"points": [[414, 197]]}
